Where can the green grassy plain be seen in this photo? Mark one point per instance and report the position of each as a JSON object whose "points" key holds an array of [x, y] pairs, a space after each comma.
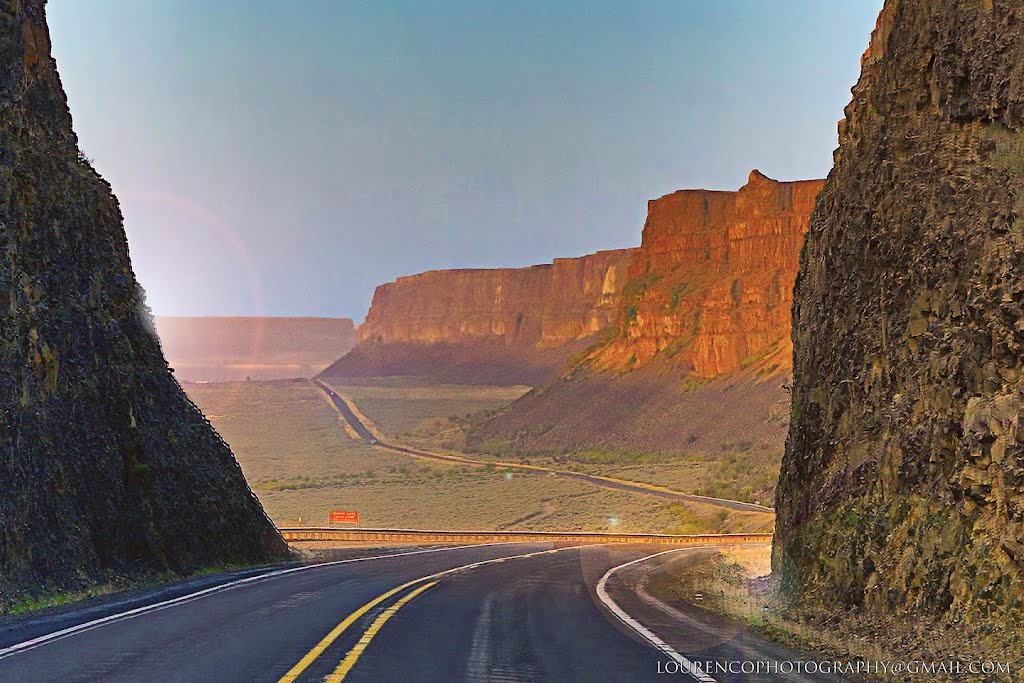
{"points": [[301, 462]]}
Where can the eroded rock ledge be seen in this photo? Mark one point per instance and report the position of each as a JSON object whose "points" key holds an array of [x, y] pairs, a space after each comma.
{"points": [[502, 325]]}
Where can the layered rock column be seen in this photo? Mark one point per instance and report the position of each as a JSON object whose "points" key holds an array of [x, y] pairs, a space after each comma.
{"points": [[699, 349], [711, 285], [902, 486]]}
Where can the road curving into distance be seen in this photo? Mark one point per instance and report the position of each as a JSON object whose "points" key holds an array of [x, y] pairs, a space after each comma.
{"points": [[509, 611], [503, 612], [346, 410]]}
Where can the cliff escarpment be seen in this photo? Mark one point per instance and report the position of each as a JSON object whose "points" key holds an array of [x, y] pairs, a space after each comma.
{"points": [[105, 465], [219, 349], [902, 485], [497, 326], [711, 286], [699, 348]]}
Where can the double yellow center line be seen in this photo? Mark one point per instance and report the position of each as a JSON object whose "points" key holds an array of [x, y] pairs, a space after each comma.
{"points": [[353, 655]]}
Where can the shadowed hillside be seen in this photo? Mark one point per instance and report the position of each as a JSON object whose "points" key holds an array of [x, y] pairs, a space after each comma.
{"points": [[105, 465]]}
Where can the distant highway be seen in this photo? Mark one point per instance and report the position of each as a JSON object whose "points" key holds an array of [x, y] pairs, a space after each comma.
{"points": [[606, 482], [505, 612], [346, 412]]}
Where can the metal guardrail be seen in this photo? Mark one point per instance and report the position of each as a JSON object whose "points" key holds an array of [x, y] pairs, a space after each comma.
{"points": [[469, 537]]}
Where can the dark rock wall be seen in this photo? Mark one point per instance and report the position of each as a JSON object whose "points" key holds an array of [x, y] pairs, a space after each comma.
{"points": [[902, 486], [105, 465]]}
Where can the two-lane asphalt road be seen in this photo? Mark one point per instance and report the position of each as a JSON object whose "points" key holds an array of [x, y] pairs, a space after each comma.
{"points": [[533, 617]]}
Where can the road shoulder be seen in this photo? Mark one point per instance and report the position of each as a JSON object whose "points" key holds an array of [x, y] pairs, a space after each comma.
{"points": [[698, 635], [32, 624]]}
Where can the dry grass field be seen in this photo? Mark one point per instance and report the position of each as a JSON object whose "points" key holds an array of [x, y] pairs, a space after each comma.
{"points": [[286, 432], [488, 500], [301, 462], [736, 471], [437, 417]]}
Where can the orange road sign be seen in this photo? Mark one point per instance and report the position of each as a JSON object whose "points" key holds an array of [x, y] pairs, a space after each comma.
{"points": [[346, 516]]}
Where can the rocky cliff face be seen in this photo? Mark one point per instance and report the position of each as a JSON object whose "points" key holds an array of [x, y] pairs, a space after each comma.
{"points": [[711, 285], [506, 325], [105, 466], [699, 348], [902, 486]]}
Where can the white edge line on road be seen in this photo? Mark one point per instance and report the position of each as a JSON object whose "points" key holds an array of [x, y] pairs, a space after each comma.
{"points": [[138, 611], [689, 667]]}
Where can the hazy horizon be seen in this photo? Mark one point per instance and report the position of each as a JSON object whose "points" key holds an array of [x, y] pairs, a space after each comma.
{"points": [[283, 159]]}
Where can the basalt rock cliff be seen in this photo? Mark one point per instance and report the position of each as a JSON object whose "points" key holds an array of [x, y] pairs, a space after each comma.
{"points": [[902, 485], [699, 349], [493, 326], [105, 465]]}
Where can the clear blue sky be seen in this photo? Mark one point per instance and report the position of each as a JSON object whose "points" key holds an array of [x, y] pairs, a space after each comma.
{"points": [[283, 157]]}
